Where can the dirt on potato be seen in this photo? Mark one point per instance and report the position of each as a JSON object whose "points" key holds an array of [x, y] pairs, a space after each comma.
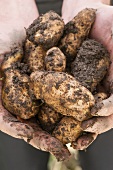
{"points": [[91, 64], [46, 30]]}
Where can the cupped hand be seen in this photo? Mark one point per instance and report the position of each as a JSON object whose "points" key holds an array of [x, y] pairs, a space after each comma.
{"points": [[13, 32], [102, 31]]}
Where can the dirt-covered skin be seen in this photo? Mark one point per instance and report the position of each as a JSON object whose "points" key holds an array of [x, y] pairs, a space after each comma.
{"points": [[34, 56], [17, 95], [55, 60], [48, 117], [11, 58], [46, 30], [76, 31], [91, 64], [63, 93], [67, 130]]}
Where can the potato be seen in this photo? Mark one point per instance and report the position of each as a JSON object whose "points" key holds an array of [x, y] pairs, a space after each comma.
{"points": [[91, 64], [48, 117], [67, 130], [75, 33], [13, 57], [17, 95], [55, 60], [63, 93], [34, 56], [46, 30]]}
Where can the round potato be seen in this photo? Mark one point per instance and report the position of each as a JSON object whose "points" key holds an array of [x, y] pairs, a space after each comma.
{"points": [[55, 60], [46, 30], [67, 130], [48, 117]]}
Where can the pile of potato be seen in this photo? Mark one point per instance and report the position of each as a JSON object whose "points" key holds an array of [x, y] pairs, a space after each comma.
{"points": [[54, 75]]}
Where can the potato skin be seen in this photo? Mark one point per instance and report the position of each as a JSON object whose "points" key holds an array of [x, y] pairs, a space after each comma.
{"points": [[48, 117], [67, 130], [75, 32], [16, 95], [46, 30], [63, 93], [34, 56], [55, 60], [11, 58], [91, 64]]}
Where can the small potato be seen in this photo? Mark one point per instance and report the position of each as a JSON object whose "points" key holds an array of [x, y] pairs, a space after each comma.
{"points": [[67, 130], [11, 58], [48, 117], [46, 30], [91, 64], [63, 93], [75, 32], [55, 60], [34, 56]]}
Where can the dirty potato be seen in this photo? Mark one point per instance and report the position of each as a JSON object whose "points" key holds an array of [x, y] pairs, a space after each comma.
{"points": [[75, 32], [11, 58], [91, 64], [34, 56], [67, 130], [17, 96], [48, 117], [46, 30], [63, 93], [55, 60]]}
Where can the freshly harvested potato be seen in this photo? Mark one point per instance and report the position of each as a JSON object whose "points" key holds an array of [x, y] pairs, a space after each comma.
{"points": [[11, 58], [17, 96], [46, 30], [67, 130], [75, 32], [34, 56], [63, 93], [48, 117], [91, 64], [55, 60]]}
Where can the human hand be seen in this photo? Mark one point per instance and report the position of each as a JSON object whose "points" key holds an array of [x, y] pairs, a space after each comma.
{"points": [[13, 32], [102, 32]]}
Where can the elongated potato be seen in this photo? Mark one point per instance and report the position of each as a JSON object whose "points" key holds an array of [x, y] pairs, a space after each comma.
{"points": [[75, 32], [91, 64], [48, 117], [67, 130], [55, 60], [63, 93], [46, 30]]}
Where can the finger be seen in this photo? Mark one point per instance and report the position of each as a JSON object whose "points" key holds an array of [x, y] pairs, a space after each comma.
{"points": [[105, 108], [98, 125], [84, 141], [11, 126], [44, 141]]}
